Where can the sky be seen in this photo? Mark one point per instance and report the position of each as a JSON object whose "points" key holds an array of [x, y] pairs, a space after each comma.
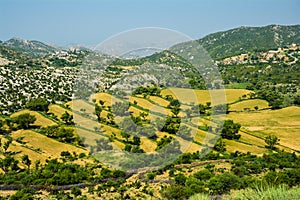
{"points": [[89, 22]]}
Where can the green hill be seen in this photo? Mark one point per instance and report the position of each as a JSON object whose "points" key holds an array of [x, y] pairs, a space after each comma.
{"points": [[244, 39], [33, 48]]}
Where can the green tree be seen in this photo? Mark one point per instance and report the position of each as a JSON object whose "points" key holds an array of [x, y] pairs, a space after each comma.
{"points": [[9, 164], [221, 109], [271, 141], [98, 110], [6, 145], [180, 179], [26, 161], [24, 120], [103, 144], [144, 115], [76, 191], [101, 102], [175, 110], [174, 103], [223, 183], [2, 129], [38, 104], [67, 118], [220, 145], [203, 175], [125, 135], [230, 130]]}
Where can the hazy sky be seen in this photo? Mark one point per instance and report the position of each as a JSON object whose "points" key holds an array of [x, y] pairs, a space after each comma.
{"points": [[91, 21]]}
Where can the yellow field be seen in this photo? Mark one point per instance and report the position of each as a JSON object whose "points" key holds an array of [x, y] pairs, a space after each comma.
{"points": [[142, 102], [203, 96], [202, 122], [188, 146], [58, 110], [160, 101], [284, 117], [85, 122], [107, 98], [50, 148], [136, 112], [148, 145], [251, 139], [90, 137], [240, 106], [78, 105], [33, 156], [283, 123], [40, 119], [233, 146]]}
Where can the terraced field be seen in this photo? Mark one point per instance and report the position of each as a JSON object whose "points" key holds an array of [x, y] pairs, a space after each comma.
{"points": [[256, 124], [250, 140], [283, 123], [40, 147], [203, 96], [40, 119], [249, 104], [58, 111]]}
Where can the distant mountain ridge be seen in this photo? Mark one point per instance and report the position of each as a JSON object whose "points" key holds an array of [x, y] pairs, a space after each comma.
{"points": [[244, 39], [219, 45], [30, 47]]}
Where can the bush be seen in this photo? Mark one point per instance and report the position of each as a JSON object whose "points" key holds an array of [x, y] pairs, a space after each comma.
{"points": [[151, 176], [180, 179], [76, 191], [222, 184], [38, 104], [23, 194], [203, 175]]}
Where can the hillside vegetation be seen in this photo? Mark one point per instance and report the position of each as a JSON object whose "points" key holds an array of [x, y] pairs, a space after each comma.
{"points": [[148, 128]]}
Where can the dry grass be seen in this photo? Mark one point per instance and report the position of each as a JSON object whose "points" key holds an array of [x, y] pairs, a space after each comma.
{"points": [[288, 117], [143, 103], [107, 98], [148, 145], [49, 148], [240, 106], [40, 119], [85, 122], [58, 110], [283, 123], [89, 136], [155, 108], [22, 150], [160, 101], [193, 148], [251, 139], [203, 96], [233, 146], [82, 106]]}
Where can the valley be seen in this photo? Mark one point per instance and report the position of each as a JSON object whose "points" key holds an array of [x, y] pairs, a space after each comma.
{"points": [[67, 135]]}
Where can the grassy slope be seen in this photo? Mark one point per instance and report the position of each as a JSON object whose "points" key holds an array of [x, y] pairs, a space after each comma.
{"points": [[255, 125], [251, 103], [263, 118], [48, 148], [203, 96], [40, 119], [284, 123]]}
